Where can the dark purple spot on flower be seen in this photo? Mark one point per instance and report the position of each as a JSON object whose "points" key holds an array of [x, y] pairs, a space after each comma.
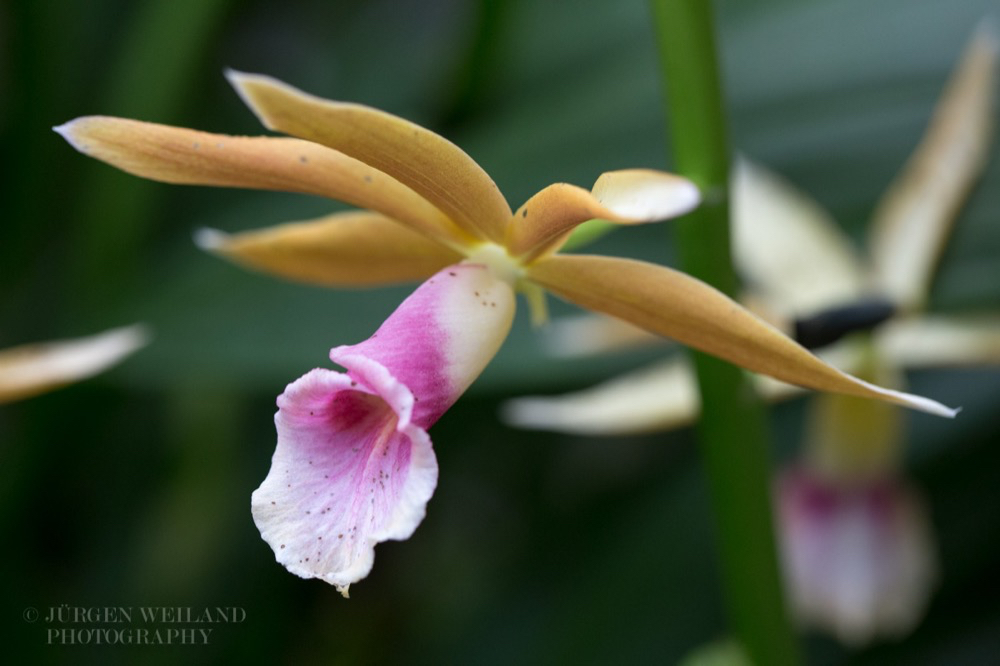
{"points": [[524, 213], [303, 159], [368, 179]]}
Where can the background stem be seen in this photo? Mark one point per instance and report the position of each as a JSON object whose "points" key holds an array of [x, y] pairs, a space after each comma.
{"points": [[732, 429]]}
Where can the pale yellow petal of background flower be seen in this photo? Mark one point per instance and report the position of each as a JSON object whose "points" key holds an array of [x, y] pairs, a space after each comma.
{"points": [[428, 163], [651, 399], [788, 248], [31, 369], [939, 340], [912, 221], [356, 248]]}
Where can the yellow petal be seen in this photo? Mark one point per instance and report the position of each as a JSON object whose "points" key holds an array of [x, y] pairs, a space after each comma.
{"points": [[934, 341], [788, 248], [913, 220], [178, 155], [428, 163], [36, 368], [659, 397], [678, 306], [662, 396], [356, 248], [631, 196]]}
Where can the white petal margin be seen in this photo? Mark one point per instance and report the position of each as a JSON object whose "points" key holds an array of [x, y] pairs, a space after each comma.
{"points": [[644, 194], [354, 465], [35, 368]]}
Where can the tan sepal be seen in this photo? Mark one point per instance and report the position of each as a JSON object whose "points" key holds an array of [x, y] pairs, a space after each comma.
{"points": [[925, 341], [178, 155], [36, 368], [912, 221], [356, 248], [631, 196], [678, 306], [431, 165]]}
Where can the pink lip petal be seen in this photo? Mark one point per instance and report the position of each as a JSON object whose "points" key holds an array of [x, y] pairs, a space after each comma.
{"points": [[354, 465], [440, 339], [858, 558]]}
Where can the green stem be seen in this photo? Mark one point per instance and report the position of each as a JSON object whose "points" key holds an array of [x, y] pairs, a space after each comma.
{"points": [[732, 429]]}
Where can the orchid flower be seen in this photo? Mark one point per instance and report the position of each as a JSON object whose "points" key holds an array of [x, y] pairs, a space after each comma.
{"points": [[806, 278], [855, 537], [32, 369], [353, 465]]}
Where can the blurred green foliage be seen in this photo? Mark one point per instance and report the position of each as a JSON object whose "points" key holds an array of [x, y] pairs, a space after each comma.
{"points": [[133, 489]]}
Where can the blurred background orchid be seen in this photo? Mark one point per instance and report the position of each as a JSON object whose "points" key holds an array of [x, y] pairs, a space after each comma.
{"points": [[131, 488], [857, 553]]}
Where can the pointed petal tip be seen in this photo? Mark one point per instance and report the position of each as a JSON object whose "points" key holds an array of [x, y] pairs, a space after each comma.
{"points": [[916, 402], [242, 82], [239, 79], [245, 84], [69, 131], [210, 240], [136, 335]]}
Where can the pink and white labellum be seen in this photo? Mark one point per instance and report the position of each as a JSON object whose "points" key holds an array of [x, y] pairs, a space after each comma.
{"points": [[859, 558], [354, 464]]}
